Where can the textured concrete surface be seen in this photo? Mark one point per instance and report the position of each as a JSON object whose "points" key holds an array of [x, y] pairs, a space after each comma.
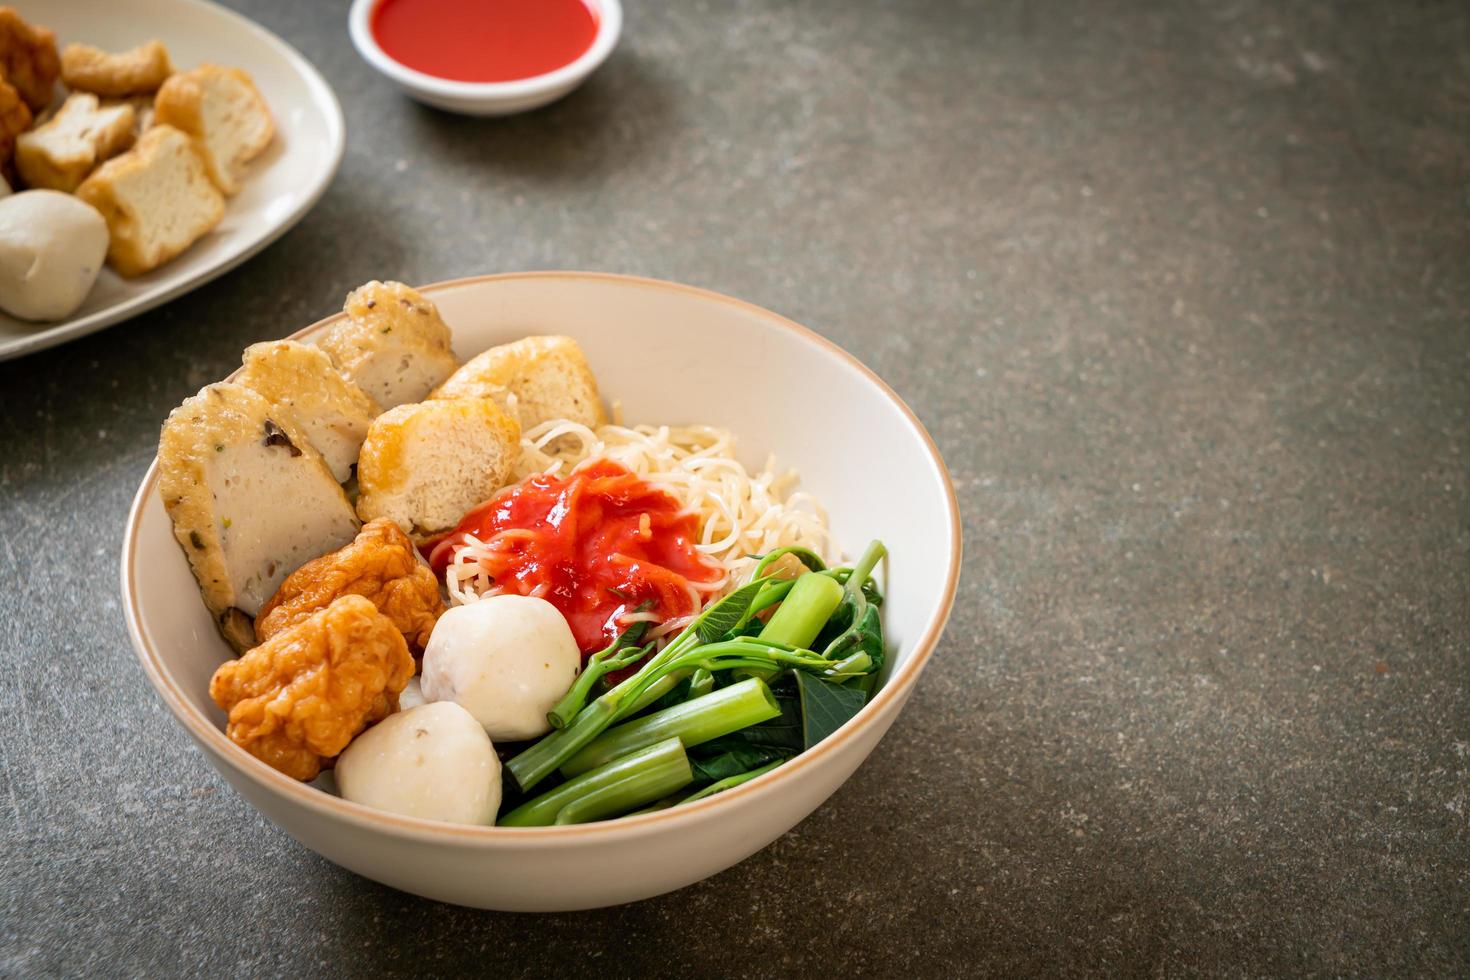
{"points": [[1182, 291]]}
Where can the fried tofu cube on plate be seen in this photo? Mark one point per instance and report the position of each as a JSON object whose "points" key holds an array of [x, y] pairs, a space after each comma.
{"points": [[224, 112], [142, 106], [157, 200], [536, 379], [393, 343], [250, 499], [425, 465], [60, 153], [137, 71], [332, 411]]}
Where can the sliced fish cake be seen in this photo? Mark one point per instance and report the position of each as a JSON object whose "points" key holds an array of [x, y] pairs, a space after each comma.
{"points": [[536, 379], [332, 411], [393, 343], [424, 466], [249, 497]]}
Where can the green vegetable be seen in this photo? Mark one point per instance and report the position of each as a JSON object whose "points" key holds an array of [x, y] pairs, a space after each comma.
{"points": [[726, 730], [725, 757], [715, 622], [806, 610], [802, 614], [825, 707], [598, 665], [694, 722], [541, 759], [781, 735], [776, 591], [624, 784], [857, 627], [729, 783], [701, 682], [807, 557]]}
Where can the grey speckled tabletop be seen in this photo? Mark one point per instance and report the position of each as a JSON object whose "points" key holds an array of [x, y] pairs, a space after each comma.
{"points": [[1183, 293]]}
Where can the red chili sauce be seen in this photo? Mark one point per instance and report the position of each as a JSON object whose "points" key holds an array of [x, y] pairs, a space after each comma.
{"points": [[484, 40], [602, 542]]}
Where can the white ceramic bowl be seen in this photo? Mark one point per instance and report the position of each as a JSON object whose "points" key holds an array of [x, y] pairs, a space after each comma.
{"points": [[670, 354], [488, 98]]}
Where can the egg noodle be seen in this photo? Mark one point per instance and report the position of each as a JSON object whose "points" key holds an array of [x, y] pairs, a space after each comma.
{"points": [[739, 514]]}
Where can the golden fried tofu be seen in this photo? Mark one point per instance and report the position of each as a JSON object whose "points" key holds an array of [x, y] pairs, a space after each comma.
{"points": [[137, 71], [393, 344], [536, 379], [28, 59], [224, 112], [332, 411], [302, 695], [249, 498], [425, 465], [382, 565], [142, 106], [15, 118], [60, 153], [157, 200]]}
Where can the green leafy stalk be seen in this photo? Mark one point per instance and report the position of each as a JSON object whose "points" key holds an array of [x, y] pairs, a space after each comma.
{"points": [[627, 793], [806, 610], [623, 784], [730, 782], [857, 665], [776, 591], [803, 613], [541, 759], [622, 652], [716, 622], [710, 625], [701, 682], [694, 722], [858, 619]]}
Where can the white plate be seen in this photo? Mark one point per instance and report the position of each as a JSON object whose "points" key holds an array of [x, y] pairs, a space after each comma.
{"points": [[283, 183]]}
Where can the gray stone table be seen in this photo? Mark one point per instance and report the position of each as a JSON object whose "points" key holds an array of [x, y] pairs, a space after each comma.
{"points": [[1183, 293]]}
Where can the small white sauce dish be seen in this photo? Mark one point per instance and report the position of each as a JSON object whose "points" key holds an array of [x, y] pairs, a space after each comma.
{"points": [[488, 98]]}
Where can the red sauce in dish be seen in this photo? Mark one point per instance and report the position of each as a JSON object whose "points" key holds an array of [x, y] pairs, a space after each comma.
{"points": [[484, 40], [601, 542]]}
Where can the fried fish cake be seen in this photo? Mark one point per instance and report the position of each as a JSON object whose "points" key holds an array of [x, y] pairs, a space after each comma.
{"points": [[249, 498], [300, 697], [381, 565], [332, 411], [425, 465], [393, 344], [28, 58], [543, 377]]}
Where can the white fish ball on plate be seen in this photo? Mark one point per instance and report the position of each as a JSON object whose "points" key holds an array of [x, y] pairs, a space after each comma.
{"points": [[51, 250], [507, 659], [433, 761]]}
